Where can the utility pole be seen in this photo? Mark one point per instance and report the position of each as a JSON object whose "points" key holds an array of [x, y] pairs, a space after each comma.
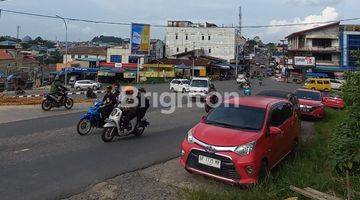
{"points": [[238, 35], [193, 63], [66, 46], [18, 31], [283, 51]]}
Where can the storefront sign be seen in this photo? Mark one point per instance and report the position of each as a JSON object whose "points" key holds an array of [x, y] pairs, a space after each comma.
{"points": [[118, 65], [304, 61], [129, 75]]}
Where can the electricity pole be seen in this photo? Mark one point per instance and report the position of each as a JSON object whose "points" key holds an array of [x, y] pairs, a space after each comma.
{"points": [[66, 46], [18, 31]]}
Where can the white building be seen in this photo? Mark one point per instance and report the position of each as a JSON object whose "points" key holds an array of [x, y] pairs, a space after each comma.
{"points": [[183, 36]]}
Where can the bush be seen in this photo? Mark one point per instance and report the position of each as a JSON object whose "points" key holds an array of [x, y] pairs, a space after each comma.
{"points": [[345, 140]]}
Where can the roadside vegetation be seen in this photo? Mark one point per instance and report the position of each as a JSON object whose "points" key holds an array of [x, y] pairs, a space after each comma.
{"points": [[312, 167]]}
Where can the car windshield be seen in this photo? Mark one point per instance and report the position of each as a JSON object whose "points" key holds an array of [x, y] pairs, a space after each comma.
{"points": [[308, 95], [186, 82], [199, 83], [237, 117]]}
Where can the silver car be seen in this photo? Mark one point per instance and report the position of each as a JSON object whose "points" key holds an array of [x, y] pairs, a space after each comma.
{"points": [[85, 84]]}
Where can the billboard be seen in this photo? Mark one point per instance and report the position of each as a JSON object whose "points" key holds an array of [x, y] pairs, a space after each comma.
{"points": [[140, 38], [304, 61]]}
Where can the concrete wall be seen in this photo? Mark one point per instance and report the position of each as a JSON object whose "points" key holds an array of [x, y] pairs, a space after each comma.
{"points": [[124, 52], [220, 45]]}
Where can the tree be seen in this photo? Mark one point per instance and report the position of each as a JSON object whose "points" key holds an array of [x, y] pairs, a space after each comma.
{"points": [[356, 54]]}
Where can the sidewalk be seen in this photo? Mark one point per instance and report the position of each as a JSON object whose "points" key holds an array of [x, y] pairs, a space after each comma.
{"points": [[26, 112]]}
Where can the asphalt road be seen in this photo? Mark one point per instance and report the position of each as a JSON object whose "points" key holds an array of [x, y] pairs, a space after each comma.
{"points": [[44, 158]]}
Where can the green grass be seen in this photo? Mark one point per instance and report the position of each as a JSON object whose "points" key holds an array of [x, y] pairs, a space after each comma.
{"points": [[311, 168]]}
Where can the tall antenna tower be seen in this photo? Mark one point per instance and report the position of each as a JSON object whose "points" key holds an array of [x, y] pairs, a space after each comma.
{"points": [[240, 20], [18, 31]]}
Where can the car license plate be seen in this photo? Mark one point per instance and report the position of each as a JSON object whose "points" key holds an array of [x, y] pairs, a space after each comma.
{"points": [[211, 162]]}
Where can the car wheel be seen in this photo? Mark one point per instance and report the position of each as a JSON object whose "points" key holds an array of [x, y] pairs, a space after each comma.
{"points": [[264, 172]]}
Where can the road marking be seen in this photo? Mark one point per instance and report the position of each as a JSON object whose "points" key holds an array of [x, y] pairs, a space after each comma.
{"points": [[22, 150]]}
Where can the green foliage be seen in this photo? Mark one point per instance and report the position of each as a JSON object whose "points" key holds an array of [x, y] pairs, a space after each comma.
{"points": [[345, 140], [356, 54]]}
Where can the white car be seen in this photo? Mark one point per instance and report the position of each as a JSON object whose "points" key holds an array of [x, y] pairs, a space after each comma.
{"points": [[336, 84], [241, 79], [200, 87], [85, 84], [180, 85]]}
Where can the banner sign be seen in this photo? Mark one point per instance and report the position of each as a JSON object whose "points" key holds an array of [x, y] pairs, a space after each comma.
{"points": [[304, 61], [140, 38]]}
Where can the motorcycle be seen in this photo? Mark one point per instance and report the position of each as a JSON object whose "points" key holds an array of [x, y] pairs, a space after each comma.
{"points": [[247, 91], [51, 101], [115, 126], [92, 119]]}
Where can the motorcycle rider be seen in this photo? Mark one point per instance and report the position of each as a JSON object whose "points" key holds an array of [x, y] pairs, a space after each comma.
{"points": [[58, 89], [109, 101], [144, 104]]}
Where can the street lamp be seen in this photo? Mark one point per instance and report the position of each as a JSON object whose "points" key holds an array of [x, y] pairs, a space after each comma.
{"points": [[66, 46]]}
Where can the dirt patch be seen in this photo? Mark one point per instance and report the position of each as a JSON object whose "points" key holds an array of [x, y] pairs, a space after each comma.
{"points": [[163, 181]]}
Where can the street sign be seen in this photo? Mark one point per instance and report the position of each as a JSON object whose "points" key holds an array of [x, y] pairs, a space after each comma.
{"points": [[304, 61]]}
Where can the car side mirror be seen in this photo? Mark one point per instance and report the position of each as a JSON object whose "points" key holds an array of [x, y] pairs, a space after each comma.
{"points": [[274, 131]]}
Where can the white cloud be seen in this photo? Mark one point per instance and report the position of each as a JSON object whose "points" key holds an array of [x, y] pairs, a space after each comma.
{"points": [[314, 2], [328, 14]]}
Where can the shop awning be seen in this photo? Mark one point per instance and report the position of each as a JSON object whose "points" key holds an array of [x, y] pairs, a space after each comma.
{"points": [[182, 66], [329, 68], [80, 70], [223, 66]]}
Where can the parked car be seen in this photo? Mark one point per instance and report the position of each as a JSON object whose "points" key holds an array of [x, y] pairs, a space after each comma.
{"points": [[336, 84], [333, 101], [282, 95], [200, 87], [85, 84], [180, 85], [310, 103], [320, 84], [243, 141]]}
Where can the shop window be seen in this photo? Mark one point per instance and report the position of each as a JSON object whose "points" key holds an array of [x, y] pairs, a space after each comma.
{"points": [[116, 58], [133, 59], [322, 43]]}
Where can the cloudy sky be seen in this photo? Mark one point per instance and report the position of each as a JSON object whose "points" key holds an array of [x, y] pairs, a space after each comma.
{"points": [[255, 12]]}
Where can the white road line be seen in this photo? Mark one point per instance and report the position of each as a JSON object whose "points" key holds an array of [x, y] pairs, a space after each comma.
{"points": [[22, 150]]}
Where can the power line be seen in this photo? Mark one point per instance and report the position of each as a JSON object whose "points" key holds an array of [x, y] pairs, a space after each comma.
{"points": [[163, 26]]}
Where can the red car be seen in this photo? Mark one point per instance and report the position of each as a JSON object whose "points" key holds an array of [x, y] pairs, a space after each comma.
{"points": [[242, 139], [333, 101], [310, 103]]}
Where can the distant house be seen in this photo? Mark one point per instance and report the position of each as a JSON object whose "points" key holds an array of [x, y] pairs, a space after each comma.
{"points": [[26, 39], [92, 55]]}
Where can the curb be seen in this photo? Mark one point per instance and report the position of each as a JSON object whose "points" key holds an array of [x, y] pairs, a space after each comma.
{"points": [[70, 93]]}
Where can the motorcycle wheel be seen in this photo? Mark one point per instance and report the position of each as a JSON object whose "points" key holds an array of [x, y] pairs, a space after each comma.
{"points": [[69, 103], [139, 131], [46, 105], [108, 134], [84, 127]]}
